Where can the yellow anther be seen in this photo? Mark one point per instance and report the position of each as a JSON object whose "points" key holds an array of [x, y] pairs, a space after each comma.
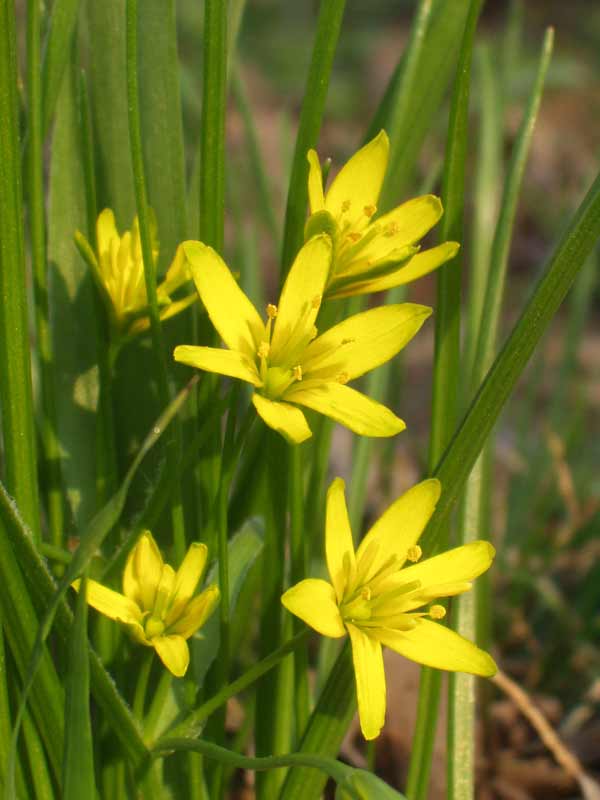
{"points": [[316, 301], [343, 377], [354, 237], [391, 229], [263, 349], [414, 553], [345, 206], [271, 311], [369, 210], [297, 372], [437, 612], [365, 593]]}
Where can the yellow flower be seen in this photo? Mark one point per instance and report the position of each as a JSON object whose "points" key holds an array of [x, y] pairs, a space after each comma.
{"points": [[118, 271], [157, 603], [371, 253], [283, 358], [374, 598]]}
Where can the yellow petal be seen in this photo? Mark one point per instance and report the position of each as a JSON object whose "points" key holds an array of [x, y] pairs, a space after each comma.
{"points": [[436, 646], [347, 406], [313, 600], [177, 274], [230, 311], [401, 525], [339, 546], [143, 572], [106, 230], [359, 182], [290, 422], [457, 566], [370, 681], [196, 613], [187, 578], [315, 182], [406, 224], [300, 300], [216, 359], [363, 342], [110, 603], [419, 265], [173, 652]]}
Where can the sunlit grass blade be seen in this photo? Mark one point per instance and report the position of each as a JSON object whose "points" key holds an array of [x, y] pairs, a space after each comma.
{"points": [[16, 399], [57, 52], [78, 772], [39, 774], [315, 94]]}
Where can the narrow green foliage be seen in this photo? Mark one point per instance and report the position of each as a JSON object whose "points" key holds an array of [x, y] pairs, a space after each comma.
{"points": [[15, 365], [78, 773], [63, 23], [315, 94], [39, 774]]}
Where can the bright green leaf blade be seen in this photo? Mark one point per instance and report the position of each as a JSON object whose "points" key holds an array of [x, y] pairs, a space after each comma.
{"points": [[38, 766], [78, 772], [58, 48]]}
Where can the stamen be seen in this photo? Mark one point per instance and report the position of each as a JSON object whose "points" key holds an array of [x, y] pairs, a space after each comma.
{"points": [[354, 237], [369, 210], [345, 206], [414, 553], [297, 372], [264, 349], [271, 311], [343, 377], [391, 229], [365, 593], [316, 301], [437, 612]]}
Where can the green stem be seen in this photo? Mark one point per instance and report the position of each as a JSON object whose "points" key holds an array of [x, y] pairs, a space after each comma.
{"points": [[315, 94], [212, 134], [141, 196], [139, 699], [16, 399], [159, 699], [301, 698], [194, 721]]}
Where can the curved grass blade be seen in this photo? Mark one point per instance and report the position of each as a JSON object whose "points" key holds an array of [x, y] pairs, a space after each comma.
{"points": [[78, 773]]}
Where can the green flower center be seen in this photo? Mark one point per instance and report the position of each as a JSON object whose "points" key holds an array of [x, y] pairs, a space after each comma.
{"points": [[154, 627]]}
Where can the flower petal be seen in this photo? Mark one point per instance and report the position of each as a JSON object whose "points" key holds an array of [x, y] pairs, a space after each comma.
{"points": [[196, 613], [436, 646], [370, 681], [173, 652], [313, 600], [230, 311], [457, 566], [315, 182], [110, 603], [143, 572], [363, 341], [401, 525], [419, 265], [339, 546], [359, 182], [216, 359], [300, 300], [187, 578], [290, 422], [106, 230], [347, 406], [405, 224]]}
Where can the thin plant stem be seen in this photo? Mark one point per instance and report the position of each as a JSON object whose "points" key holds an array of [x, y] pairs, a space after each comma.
{"points": [[158, 345], [141, 686]]}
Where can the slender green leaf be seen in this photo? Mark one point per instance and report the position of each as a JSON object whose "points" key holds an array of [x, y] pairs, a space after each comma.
{"points": [[78, 774], [57, 55], [38, 766]]}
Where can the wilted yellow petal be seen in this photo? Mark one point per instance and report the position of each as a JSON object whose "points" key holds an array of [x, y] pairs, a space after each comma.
{"points": [[363, 341], [315, 182], [230, 311], [174, 653], [436, 646], [290, 422], [358, 183], [370, 682], [216, 359], [187, 578], [347, 406], [110, 603], [401, 525], [196, 612], [300, 300], [419, 265], [339, 546], [313, 600]]}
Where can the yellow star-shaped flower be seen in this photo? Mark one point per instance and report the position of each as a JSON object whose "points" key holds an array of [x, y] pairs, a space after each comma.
{"points": [[284, 359], [118, 270], [157, 603], [378, 601], [371, 253]]}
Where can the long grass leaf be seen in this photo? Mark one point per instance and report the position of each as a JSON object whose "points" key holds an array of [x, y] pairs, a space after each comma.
{"points": [[63, 23]]}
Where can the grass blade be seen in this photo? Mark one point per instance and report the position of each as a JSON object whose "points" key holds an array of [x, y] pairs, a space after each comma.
{"points": [[57, 56]]}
